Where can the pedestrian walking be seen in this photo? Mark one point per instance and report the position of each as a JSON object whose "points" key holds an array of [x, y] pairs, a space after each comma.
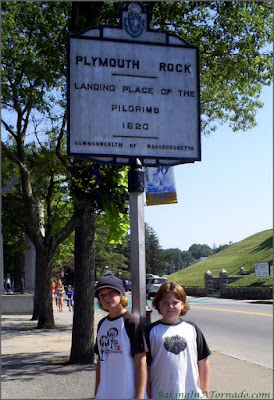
{"points": [[69, 297], [178, 362], [60, 291], [120, 345], [8, 285], [52, 286]]}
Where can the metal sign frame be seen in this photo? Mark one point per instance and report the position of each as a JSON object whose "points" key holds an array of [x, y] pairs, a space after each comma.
{"points": [[186, 148]]}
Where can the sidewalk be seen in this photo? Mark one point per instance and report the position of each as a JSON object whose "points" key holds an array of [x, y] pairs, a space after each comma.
{"points": [[33, 365]]}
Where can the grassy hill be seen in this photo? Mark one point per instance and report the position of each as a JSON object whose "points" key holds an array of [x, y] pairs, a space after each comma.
{"points": [[246, 253]]}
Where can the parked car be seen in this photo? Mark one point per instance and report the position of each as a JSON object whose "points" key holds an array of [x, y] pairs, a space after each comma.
{"points": [[153, 285], [127, 285]]}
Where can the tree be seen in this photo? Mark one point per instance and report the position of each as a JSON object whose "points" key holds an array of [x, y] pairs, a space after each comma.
{"points": [[173, 260], [107, 253], [13, 238], [154, 260], [221, 247], [94, 188], [107, 250], [187, 258], [34, 141], [200, 250], [234, 39], [31, 68], [64, 254]]}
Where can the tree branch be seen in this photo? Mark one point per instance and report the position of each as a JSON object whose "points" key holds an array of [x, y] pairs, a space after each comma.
{"points": [[10, 154], [64, 233], [64, 160], [8, 128]]}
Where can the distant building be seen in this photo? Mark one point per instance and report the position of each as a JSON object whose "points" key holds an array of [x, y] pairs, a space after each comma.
{"points": [[203, 258]]}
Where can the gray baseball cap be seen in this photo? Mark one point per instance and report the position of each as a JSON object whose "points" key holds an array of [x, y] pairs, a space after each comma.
{"points": [[110, 282]]}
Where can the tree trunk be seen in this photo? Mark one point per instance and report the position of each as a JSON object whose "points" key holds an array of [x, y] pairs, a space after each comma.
{"points": [[36, 299], [43, 290], [36, 302], [82, 347], [84, 15]]}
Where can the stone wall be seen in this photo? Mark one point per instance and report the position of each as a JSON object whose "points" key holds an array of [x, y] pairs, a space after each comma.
{"points": [[218, 286], [251, 292], [17, 304], [195, 291], [257, 293]]}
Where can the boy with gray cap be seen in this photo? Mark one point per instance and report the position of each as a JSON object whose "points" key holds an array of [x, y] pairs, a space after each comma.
{"points": [[120, 345]]}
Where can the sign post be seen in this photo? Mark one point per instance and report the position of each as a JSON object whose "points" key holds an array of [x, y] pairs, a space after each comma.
{"points": [[133, 94], [136, 183]]}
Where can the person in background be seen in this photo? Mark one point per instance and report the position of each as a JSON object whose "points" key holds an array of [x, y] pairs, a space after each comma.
{"points": [[120, 345], [52, 285], [60, 291], [69, 296], [8, 285], [178, 353]]}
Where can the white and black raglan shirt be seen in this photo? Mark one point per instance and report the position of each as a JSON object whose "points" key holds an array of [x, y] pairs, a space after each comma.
{"points": [[174, 351], [118, 340]]}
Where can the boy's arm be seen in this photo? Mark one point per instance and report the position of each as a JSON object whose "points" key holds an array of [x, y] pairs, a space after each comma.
{"points": [[204, 371], [97, 376], [140, 375]]}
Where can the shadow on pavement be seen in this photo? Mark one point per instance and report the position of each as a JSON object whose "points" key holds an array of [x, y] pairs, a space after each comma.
{"points": [[31, 366]]}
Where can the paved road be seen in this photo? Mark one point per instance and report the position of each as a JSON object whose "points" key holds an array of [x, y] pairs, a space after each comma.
{"points": [[241, 329]]}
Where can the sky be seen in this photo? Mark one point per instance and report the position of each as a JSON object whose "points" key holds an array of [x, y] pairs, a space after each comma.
{"points": [[228, 195]]}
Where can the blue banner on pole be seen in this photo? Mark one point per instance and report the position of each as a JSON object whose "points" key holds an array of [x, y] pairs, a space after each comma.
{"points": [[160, 186]]}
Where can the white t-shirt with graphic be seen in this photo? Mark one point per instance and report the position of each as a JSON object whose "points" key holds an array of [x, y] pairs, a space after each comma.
{"points": [[118, 340], [174, 351]]}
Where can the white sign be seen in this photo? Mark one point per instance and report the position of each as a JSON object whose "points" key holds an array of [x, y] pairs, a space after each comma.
{"points": [[133, 97], [262, 270]]}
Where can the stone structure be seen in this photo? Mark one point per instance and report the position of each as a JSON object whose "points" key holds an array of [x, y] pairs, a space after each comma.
{"points": [[16, 304], [209, 282], [218, 286], [251, 292]]}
